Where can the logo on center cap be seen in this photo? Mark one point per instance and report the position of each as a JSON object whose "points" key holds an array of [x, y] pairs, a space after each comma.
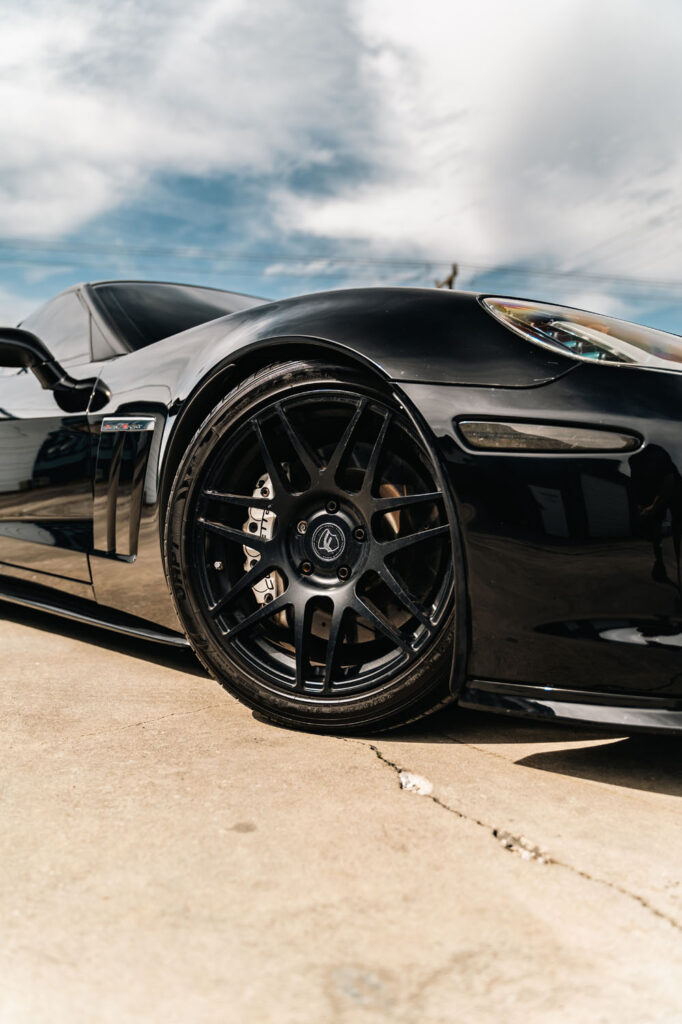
{"points": [[328, 541]]}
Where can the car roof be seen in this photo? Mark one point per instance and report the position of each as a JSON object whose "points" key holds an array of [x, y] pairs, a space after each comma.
{"points": [[173, 284]]}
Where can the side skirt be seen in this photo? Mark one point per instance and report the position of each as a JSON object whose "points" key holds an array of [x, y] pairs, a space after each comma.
{"points": [[32, 595]]}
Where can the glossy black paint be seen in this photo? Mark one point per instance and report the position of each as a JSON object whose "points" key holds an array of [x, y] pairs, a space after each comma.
{"points": [[572, 559], [397, 333], [45, 482], [32, 595]]}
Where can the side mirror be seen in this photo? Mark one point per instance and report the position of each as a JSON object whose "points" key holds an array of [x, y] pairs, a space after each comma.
{"points": [[23, 349]]}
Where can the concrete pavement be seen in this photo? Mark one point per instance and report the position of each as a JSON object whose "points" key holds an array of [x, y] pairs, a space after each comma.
{"points": [[165, 856]]}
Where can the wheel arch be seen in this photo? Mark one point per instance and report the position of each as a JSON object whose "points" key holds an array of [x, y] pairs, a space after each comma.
{"points": [[228, 374]]}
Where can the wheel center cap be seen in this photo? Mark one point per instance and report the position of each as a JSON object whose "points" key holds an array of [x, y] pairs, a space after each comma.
{"points": [[328, 542]]}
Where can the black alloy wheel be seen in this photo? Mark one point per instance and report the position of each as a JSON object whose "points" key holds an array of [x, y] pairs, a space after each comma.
{"points": [[309, 554]]}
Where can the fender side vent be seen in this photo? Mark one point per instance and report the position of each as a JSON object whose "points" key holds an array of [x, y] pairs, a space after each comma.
{"points": [[122, 457]]}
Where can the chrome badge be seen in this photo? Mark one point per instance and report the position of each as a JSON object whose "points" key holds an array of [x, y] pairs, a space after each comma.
{"points": [[132, 424]]}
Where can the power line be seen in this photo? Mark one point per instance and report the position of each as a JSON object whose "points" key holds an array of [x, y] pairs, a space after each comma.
{"points": [[593, 251], [37, 252]]}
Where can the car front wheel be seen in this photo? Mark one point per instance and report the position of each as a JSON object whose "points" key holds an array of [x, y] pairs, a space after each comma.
{"points": [[309, 555]]}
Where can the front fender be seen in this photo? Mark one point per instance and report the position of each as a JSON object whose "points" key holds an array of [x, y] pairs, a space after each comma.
{"points": [[403, 334]]}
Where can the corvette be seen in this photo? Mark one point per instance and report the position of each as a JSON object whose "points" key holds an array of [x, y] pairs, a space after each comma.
{"points": [[356, 506]]}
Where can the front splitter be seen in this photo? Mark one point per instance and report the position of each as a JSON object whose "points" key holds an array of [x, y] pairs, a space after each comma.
{"points": [[618, 712]]}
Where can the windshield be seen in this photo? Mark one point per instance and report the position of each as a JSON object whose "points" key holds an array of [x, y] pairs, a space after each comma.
{"points": [[589, 336], [142, 313]]}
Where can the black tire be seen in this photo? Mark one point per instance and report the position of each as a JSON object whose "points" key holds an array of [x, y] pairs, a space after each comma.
{"points": [[318, 472]]}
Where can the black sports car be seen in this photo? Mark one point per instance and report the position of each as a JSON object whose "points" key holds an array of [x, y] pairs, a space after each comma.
{"points": [[356, 506]]}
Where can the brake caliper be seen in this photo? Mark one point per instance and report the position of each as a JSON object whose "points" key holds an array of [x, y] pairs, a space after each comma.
{"points": [[261, 523]]}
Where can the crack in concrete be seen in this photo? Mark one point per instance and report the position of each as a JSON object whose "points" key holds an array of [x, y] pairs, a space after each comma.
{"points": [[519, 845], [108, 732], [148, 721]]}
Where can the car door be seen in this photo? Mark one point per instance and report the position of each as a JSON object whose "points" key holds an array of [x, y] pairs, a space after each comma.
{"points": [[45, 460]]}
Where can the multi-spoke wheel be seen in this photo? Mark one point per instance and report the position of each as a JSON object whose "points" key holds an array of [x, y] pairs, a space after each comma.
{"points": [[308, 550]]}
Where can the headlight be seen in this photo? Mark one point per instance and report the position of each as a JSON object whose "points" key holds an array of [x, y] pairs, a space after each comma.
{"points": [[588, 336]]}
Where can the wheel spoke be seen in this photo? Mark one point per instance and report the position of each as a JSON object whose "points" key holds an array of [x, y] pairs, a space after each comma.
{"points": [[242, 500], [271, 464], [300, 446], [382, 624], [315, 448], [402, 501], [391, 546], [332, 644], [302, 622], [263, 612], [399, 591], [251, 540], [372, 465], [332, 467], [249, 579]]}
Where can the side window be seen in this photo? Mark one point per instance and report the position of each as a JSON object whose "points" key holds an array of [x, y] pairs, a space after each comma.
{"points": [[64, 325]]}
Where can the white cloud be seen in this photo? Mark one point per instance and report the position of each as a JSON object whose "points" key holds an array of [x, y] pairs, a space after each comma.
{"points": [[96, 98], [303, 268], [537, 132], [14, 306], [545, 133]]}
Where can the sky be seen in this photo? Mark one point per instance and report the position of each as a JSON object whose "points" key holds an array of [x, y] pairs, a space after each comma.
{"points": [[278, 147]]}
